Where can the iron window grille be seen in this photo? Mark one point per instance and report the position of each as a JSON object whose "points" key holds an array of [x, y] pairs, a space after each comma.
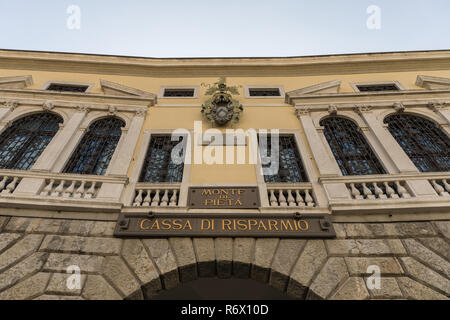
{"points": [[23, 142], [427, 146], [377, 87], [159, 166], [272, 92], [67, 88], [97, 147], [173, 93], [350, 148], [290, 168]]}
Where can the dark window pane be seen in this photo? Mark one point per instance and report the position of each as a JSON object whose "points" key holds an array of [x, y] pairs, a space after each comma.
{"points": [[159, 165], [290, 163], [23, 142], [170, 93], [265, 92], [97, 147], [350, 149], [67, 88], [427, 146], [374, 88]]}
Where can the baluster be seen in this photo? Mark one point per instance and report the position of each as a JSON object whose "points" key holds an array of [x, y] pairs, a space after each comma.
{"points": [[138, 200], [355, 192], [80, 191], [3, 182], [299, 199], [12, 186], [308, 199], [59, 189], [165, 199], [367, 192], [156, 198], [440, 191], [148, 198], [282, 199], [389, 191], [401, 190], [48, 188], [378, 191], [273, 199], [91, 192], [69, 191], [290, 199], [446, 185], [174, 199]]}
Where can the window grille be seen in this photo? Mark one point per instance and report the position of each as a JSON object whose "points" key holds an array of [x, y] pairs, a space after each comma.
{"points": [[158, 164], [275, 92], [427, 146], [291, 168], [350, 148], [375, 88], [173, 93], [23, 142], [67, 88], [95, 150]]}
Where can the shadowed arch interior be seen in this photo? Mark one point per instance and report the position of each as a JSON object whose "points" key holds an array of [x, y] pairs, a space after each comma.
{"points": [[427, 146], [97, 147], [22, 143], [350, 148]]}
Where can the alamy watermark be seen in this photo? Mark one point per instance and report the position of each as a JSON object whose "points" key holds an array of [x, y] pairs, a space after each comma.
{"points": [[74, 18], [374, 19]]}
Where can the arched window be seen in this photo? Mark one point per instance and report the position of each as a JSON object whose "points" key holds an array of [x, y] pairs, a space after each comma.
{"points": [[96, 148], [350, 148], [23, 142], [426, 145]]}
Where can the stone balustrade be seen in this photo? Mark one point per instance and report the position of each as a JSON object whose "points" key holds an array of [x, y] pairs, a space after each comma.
{"points": [[441, 186], [70, 188], [380, 189], [291, 196], [164, 195], [8, 184]]}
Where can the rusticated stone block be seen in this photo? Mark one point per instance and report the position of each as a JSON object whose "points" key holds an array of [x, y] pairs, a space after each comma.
{"points": [[388, 289], [59, 262], [117, 272], [102, 229], [26, 267], [206, 257], [352, 289], [6, 239], [426, 275], [185, 256], [339, 228], [24, 247], [3, 222], [359, 266], [96, 288], [59, 285], [427, 256], [224, 257], [439, 245], [243, 257], [162, 255], [81, 245], [365, 247], [57, 298], [414, 290], [36, 225], [310, 262], [264, 254], [443, 227], [285, 257], [332, 274], [136, 256], [27, 289]]}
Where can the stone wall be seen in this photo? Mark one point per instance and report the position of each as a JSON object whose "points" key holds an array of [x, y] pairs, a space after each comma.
{"points": [[35, 253]]}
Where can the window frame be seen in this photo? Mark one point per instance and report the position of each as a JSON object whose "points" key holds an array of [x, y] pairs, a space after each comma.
{"points": [[279, 87], [68, 83], [355, 85], [163, 89]]}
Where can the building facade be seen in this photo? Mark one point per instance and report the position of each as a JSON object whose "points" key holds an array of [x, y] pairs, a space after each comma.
{"points": [[88, 140]]}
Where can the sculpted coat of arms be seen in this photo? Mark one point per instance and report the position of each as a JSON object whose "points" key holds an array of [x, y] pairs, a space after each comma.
{"points": [[222, 108]]}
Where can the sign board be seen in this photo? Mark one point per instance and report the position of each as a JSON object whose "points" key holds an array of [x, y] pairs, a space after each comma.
{"points": [[143, 225], [224, 198]]}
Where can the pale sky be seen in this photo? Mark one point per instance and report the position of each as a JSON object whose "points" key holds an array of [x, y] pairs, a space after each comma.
{"points": [[233, 28]]}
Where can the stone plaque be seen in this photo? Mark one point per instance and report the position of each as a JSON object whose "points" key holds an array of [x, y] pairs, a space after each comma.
{"points": [[224, 198], [219, 225]]}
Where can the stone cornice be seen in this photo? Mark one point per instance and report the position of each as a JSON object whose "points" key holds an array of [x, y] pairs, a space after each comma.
{"points": [[432, 83], [112, 87], [332, 64], [21, 81], [325, 87]]}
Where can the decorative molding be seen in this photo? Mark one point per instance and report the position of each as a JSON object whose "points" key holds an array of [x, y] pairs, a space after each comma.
{"points": [[84, 108], [360, 109], [112, 110], [437, 106], [332, 109], [325, 87], [11, 105], [302, 111], [432, 83], [16, 82], [399, 107], [113, 88], [141, 112], [48, 105]]}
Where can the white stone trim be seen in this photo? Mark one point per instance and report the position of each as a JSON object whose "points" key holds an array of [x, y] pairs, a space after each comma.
{"points": [[432, 83], [68, 83], [355, 85], [279, 87], [162, 90]]}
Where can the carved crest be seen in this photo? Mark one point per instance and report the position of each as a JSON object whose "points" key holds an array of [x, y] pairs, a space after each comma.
{"points": [[222, 108]]}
